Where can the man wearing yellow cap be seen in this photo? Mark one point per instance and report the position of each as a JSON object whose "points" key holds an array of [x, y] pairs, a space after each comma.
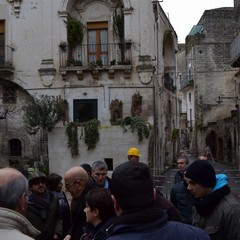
{"points": [[133, 154]]}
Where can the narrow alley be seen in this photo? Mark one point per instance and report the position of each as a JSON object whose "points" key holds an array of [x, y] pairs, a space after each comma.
{"points": [[164, 179]]}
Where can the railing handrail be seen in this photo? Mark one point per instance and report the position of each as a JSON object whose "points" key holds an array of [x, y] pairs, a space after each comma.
{"points": [[86, 54]]}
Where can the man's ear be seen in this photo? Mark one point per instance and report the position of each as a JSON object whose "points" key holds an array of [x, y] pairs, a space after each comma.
{"points": [[22, 204], [117, 207], [95, 212]]}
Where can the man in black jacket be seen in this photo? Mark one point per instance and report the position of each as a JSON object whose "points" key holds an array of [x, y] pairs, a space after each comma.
{"points": [[43, 208], [138, 217], [77, 182], [182, 163]]}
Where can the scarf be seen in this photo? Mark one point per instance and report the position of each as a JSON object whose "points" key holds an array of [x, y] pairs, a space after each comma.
{"points": [[206, 205]]}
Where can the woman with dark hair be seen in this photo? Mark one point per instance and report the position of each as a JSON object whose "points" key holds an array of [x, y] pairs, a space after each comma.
{"points": [[100, 214], [54, 184]]}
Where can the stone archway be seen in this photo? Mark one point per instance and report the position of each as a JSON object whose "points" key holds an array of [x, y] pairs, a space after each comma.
{"points": [[211, 141]]}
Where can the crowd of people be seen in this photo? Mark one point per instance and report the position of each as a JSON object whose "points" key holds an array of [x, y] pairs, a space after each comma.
{"points": [[125, 206]]}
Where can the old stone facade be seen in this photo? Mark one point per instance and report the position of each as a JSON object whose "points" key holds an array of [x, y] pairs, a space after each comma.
{"points": [[213, 85], [110, 65]]}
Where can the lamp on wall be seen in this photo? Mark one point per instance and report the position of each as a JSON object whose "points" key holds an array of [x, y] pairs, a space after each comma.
{"points": [[221, 98]]}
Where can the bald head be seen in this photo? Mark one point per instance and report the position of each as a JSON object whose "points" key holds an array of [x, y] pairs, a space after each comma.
{"points": [[76, 180], [75, 173], [8, 174], [15, 186]]}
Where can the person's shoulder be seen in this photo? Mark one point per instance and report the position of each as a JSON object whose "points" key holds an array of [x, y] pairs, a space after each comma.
{"points": [[230, 201], [185, 231]]}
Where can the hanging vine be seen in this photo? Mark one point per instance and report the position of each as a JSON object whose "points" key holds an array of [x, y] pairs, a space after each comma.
{"points": [[72, 134], [90, 135], [136, 124], [91, 129]]}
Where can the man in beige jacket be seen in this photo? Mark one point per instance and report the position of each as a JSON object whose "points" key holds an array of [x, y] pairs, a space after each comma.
{"points": [[13, 205]]}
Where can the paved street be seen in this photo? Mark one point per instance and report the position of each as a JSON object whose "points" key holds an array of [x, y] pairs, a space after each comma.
{"points": [[164, 180]]}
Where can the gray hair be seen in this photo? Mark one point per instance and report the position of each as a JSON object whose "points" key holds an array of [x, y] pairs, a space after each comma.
{"points": [[12, 191], [99, 165], [185, 158]]}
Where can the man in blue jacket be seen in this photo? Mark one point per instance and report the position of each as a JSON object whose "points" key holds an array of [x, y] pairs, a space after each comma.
{"points": [[138, 217]]}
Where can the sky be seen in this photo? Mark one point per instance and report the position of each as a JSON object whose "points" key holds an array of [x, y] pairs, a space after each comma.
{"points": [[183, 14]]}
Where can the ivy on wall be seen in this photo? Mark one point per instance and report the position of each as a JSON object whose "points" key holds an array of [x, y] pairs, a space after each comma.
{"points": [[72, 134], [136, 124], [90, 135], [91, 130]]}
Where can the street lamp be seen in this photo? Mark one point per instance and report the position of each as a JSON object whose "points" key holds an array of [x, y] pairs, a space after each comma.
{"points": [[235, 99]]}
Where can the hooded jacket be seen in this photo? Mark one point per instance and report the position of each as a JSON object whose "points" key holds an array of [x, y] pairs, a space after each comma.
{"points": [[14, 226], [219, 212]]}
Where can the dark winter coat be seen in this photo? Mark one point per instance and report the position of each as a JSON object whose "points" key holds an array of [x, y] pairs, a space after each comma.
{"points": [[178, 177], [44, 215], [152, 224], [65, 211], [182, 200], [99, 232], [164, 204], [218, 214], [78, 214]]}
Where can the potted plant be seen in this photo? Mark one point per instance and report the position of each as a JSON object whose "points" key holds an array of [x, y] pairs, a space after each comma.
{"points": [[99, 62], [63, 46], [118, 26], [113, 62], [75, 33]]}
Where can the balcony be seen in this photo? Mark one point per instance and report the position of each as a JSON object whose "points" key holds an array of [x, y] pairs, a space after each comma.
{"points": [[235, 51], [96, 58], [186, 81], [6, 66], [169, 82]]}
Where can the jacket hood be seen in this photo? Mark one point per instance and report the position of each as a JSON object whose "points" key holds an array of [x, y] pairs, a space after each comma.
{"points": [[222, 180]]}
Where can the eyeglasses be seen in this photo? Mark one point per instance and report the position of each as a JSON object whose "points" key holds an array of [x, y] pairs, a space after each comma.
{"points": [[67, 186]]}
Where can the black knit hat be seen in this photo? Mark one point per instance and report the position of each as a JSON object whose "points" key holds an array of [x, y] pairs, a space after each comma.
{"points": [[201, 172]]}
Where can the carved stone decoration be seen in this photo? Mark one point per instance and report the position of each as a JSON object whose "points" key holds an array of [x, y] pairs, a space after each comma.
{"points": [[115, 111], [111, 73], [80, 75], [16, 6], [145, 73], [136, 108], [47, 72], [64, 74], [95, 74]]}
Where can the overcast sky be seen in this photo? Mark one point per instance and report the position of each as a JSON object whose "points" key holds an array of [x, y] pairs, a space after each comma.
{"points": [[183, 14]]}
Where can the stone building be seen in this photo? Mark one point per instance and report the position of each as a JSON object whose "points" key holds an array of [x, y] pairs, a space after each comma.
{"points": [[211, 85], [235, 63], [126, 53]]}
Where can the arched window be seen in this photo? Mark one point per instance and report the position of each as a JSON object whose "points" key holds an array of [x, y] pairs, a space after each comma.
{"points": [[15, 146]]}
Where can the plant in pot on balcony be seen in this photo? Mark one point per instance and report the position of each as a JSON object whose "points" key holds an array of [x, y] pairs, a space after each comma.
{"points": [[118, 26], [75, 33], [113, 62], [99, 62], [63, 46]]}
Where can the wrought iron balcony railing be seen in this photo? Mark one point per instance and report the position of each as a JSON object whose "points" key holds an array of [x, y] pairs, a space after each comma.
{"points": [[96, 55], [6, 56], [6, 62]]}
